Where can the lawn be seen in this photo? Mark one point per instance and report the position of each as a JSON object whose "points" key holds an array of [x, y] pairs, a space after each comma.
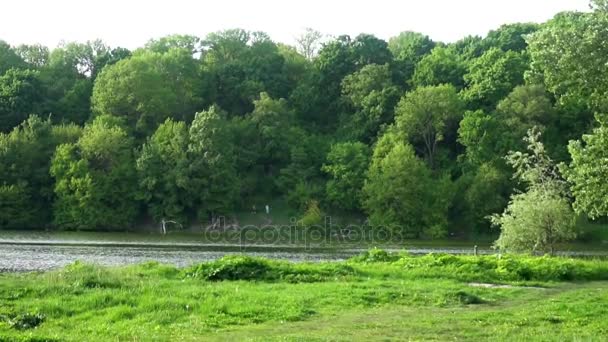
{"points": [[373, 297]]}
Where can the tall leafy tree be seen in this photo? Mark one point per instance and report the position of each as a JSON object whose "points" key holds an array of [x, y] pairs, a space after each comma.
{"points": [[95, 180], [213, 181], [21, 94], [441, 66], [346, 165], [25, 155], [510, 37], [9, 58], [426, 116], [400, 193], [373, 97], [163, 172], [148, 88], [492, 76], [408, 48], [541, 217], [588, 171]]}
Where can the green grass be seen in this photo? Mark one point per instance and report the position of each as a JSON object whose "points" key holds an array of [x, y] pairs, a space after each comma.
{"points": [[373, 297]]}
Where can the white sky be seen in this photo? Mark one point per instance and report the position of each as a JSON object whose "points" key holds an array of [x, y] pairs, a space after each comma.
{"points": [[130, 23]]}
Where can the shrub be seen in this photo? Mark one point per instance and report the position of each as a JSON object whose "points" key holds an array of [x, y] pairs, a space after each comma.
{"points": [[375, 255], [248, 268]]}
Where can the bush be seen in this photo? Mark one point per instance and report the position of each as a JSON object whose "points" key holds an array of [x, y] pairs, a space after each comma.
{"points": [[248, 268], [375, 255]]}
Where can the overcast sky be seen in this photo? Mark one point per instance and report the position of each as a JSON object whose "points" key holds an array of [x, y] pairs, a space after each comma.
{"points": [[130, 23]]}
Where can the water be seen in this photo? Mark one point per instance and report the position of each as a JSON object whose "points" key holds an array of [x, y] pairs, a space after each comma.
{"points": [[40, 251], [29, 257]]}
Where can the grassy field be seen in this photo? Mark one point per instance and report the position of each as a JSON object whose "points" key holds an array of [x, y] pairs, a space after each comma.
{"points": [[373, 297]]}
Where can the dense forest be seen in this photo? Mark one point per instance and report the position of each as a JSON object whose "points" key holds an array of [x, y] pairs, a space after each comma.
{"points": [[410, 133]]}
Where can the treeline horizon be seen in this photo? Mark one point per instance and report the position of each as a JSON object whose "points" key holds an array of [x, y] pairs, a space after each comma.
{"points": [[407, 132]]}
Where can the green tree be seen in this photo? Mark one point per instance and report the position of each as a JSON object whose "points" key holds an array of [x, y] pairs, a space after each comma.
{"points": [[492, 76], [9, 58], [25, 155], [189, 43], [408, 48], [510, 37], [566, 57], [14, 204], [535, 221], [163, 172], [489, 136], [427, 115], [540, 217], [271, 119], [20, 95], [95, 180], [302, 179], [373, 97], [588, 171], [441, 66], [213, 179], [346, 166], [399, 192], [243, 64], [36, 56], [148, 88]]}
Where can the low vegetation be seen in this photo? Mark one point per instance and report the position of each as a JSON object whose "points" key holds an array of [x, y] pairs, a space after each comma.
{"points": [[375, 294]]}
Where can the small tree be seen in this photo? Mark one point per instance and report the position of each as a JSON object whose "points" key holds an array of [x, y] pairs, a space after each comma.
{"points": [[541, 217], [313, 215]]}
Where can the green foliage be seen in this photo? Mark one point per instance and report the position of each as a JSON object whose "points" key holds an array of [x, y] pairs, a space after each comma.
{"points": [[375, 255], [243, 64], [587, 173], [400, 193], [95, 180], [535, 221], [426, 116], [564, 56], [312, 216], [14, 201], [510, 37], [8, 58], [492, 76], [491, 136], [213, 182], [346, 165], [441, 66], [20, 96], [291, 117], [25, 156], [541, 217], [230, 268], [408, 48], [373, 97], [163, 172], [145, 91]]}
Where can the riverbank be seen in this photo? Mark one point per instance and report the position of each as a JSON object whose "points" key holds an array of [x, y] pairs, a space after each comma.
{"points": [[371, 297]]}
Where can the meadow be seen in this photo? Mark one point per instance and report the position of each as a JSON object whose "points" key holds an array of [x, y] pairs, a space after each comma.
{"points": [[377, 295]]}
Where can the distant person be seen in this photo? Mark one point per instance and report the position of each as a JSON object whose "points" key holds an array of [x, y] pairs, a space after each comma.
{"points": [[254, 209], [267, 209]]}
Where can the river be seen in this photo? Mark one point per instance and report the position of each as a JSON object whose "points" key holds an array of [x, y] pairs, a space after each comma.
{"points": [[29, 251]]}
